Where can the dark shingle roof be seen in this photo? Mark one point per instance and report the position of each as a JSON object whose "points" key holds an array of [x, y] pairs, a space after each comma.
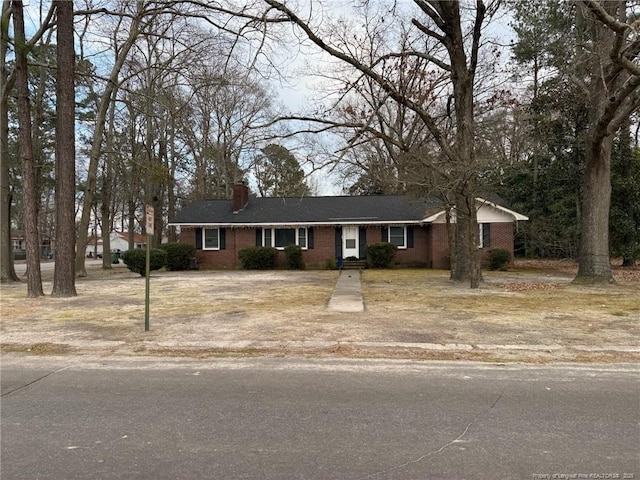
{"points": [[310, 210]]}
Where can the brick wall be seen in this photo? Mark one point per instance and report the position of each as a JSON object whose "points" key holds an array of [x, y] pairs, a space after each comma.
{"points": [[236, 239], [418, 255], [324, 249], [501, 237], [439, 246], [239, 238]]}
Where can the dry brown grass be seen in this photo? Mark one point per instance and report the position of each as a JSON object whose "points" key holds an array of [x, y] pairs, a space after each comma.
{"points": [[557, 313], [531, 304]]}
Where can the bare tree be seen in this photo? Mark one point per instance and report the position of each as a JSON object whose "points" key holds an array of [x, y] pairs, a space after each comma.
{"points": [[121, 50], [219, 131], [445, 23], [150, 39]]}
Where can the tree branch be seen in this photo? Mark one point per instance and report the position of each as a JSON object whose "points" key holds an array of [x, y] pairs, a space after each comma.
{"points": [[477, 32], [428, 31], [413, 53], [604, 17], [368, 71]]}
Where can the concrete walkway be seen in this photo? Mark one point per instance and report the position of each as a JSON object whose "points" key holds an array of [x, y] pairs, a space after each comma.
{"points": [[347, 296]]}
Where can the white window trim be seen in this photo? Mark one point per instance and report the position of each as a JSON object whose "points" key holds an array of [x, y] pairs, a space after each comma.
{"points": [[297, 231], [204, 243], [404, 232]]}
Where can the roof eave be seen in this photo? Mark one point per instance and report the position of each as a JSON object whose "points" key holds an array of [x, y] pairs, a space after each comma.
{"points": [[296, 224], [515, 215]]}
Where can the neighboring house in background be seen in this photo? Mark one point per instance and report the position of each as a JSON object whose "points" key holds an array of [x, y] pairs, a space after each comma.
{"points": [[20, 245], [333, 227], [119, 242]]}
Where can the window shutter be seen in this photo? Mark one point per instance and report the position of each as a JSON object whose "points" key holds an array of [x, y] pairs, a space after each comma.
{"points": [[362, 248], [223, 238], [385, 234], [198, 238], [410, 236], [258, 237], [338, 242], [486, 235], [310, 237]]}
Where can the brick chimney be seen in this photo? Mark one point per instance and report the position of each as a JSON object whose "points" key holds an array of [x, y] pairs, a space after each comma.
{"points": [[240, 196]]}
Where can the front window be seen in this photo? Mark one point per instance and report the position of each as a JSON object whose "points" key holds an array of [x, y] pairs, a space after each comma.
{"points": [[211, 238], [398, 236], [302, 237], [283, 237], [484, 235]]}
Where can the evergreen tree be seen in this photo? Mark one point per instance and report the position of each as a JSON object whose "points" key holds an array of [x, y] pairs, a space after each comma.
{"points": [[278, 173], [624, 217]]}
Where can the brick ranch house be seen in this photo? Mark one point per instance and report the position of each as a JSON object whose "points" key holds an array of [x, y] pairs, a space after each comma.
{"points": [[331, 227]]}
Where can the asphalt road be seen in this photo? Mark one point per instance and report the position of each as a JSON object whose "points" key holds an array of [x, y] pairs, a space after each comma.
{"points": [[281, 419]]}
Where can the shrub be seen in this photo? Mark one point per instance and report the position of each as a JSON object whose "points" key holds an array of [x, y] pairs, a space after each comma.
{"points": [[258, 258], [499, 258], [381, 254], [136, 260], [179, 255], [330, 264], [294, 257]]}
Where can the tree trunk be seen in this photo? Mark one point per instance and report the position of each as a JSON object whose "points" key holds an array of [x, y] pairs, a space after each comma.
{"points": [[106, 245], [30, 197], [467, 261], [475, 273], [7, 269], [171, 179], [131, 221], [106, 192], [594, 264], [459, 251], [64, 273], [465, 264], [613, 97]]}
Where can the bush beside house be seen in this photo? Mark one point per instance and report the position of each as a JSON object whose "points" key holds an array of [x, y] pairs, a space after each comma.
{"points": [[294, 257], [179, 255], [380, 254], [258, 258], [136, 260], [499, 259]]}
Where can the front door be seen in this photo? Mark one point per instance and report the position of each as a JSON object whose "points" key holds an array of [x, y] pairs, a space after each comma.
{"points": [[350, 242]]}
